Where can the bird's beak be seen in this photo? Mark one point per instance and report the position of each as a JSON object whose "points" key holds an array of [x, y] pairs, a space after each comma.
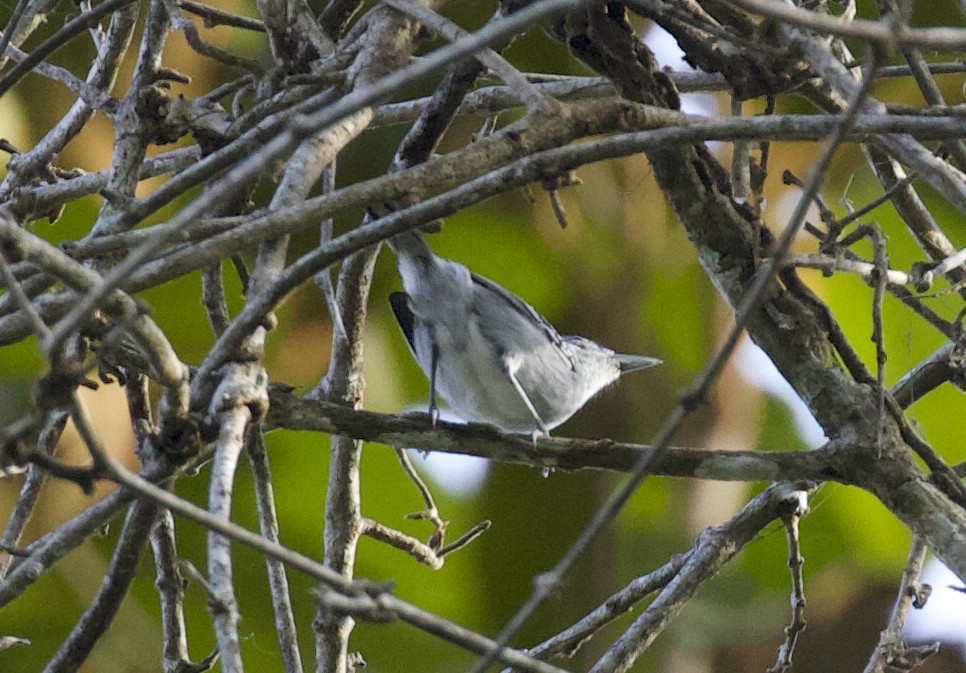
{"points": [[633, 363]]}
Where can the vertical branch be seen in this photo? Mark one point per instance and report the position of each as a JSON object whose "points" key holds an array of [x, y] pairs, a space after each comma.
{"points": [[795, 563], [132, 137], [224, 610], [302, 171], [324, 278], [890, 648], [213, 299], [740, 160], [277, 580], [168, 580], [389, 41], [880, 279], [343, 507], [304, 168], [170, 586]]}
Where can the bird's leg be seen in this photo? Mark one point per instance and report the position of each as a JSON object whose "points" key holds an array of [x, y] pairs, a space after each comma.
{"points": [[541, 429], [434, 363]]}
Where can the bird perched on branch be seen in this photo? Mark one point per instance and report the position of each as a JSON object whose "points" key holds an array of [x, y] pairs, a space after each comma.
{"points": [[488, 353]]}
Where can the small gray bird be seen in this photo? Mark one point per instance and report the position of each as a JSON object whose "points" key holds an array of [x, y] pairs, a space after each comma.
{"points": [[490, 355]]}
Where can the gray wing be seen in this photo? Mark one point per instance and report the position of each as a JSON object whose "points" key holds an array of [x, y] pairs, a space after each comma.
{"points": [[500, 293]]}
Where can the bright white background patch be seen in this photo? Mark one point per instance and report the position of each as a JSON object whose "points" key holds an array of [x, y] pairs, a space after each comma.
{"points": [[668, 53], [460, 476], [944, 616], [457, 475], [756, 368]]}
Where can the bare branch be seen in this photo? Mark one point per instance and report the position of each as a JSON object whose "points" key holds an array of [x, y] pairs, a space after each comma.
{"points": [[216, 17], [790, 520], [58, 39], [170, 586], [891, 651], [121, 572], [567, 642], [269, 527], [524, 91], [559, 453], [715, 546], [283, 132], [29, 492], [892, 36]]}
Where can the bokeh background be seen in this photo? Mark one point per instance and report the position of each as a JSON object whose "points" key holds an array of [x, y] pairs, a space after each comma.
{"points": [[622, 273]]}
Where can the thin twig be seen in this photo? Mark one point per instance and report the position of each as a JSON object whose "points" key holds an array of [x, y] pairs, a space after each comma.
{"points": [[740, 160], [70, 30], [465, 538], [95, 97], [830, 264], [216, 17], [213, 298], [567, 642], [890, 36], [277, 579], [192, 573], [879, 278], [423, 553], [195, 41], [431, 513], [521, 87], [20, 297], [795, 561], [891, 649], [713, 548], [53, 426]]}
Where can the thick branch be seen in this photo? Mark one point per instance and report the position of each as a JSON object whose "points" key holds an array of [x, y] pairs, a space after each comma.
{"points": [[293, 413]]}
